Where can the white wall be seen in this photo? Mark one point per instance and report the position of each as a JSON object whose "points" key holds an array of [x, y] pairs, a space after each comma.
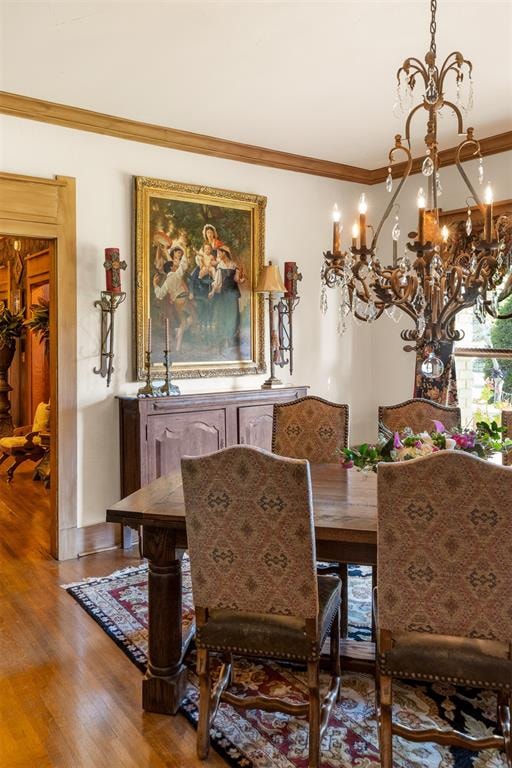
{"points": [[297, 229], [393, 369]]}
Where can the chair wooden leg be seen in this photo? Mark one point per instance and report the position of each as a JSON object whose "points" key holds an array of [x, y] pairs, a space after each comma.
{"points": [[504, 710], [314, 714], [205, 684], [374, 584], [335, 652], [343, 571], [3, 457], [12, 469], [385, 726]]}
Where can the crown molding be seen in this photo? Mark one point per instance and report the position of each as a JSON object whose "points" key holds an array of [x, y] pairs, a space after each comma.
{"points": [[147, 133], [133, 130]]}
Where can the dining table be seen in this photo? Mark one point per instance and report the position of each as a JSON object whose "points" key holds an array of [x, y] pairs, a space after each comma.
{"points": [[345, 512]]}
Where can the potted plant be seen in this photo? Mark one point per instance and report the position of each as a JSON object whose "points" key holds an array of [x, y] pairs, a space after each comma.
{"points": [[39, 323], [11, 326]]}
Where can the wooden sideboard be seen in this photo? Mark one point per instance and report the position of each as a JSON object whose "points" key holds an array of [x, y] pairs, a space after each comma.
{"points": [[156, 432]]}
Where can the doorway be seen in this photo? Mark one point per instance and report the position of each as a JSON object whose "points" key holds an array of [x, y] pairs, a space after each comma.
{"points": [[44, 210]]}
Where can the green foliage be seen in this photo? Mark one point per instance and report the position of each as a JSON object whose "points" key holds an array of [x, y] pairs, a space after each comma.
{"points": [[39, 323], [11, 326], [501, 338]]}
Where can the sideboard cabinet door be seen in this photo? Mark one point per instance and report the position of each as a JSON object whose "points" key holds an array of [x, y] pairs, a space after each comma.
{"points": [[255, 425], [171, 436]]}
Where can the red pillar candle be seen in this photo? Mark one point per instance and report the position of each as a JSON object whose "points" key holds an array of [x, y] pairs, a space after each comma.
{"points": [[290, 281], [113, 267]]}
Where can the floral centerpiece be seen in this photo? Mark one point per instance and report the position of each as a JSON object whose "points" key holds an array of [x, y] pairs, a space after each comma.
{"points": [[483, 441]]}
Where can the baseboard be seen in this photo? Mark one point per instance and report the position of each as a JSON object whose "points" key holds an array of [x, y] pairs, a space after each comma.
{"points": [[93, 538]]}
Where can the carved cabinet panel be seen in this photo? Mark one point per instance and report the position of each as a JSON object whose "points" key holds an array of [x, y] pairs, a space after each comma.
{"points": [[255, 425], [182, 434]]}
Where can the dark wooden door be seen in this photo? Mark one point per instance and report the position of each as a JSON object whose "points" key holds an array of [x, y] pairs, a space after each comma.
{"points": [[171, 436], [255, 425]]}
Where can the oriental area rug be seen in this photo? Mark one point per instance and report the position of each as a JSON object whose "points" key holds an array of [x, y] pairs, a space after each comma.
{"points": [[255, 739]]}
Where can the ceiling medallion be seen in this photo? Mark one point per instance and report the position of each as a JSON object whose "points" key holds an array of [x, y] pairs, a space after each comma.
{"points": [[429, 282]]}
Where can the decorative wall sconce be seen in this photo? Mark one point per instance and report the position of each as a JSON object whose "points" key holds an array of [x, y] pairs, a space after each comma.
{"points": [[281, 341], [108, 303]]}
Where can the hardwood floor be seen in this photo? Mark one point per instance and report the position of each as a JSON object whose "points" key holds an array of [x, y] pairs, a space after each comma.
{"points": [[68, 696]]}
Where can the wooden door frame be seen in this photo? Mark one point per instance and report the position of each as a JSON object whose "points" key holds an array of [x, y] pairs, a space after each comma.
{"points": [[46, 209]]}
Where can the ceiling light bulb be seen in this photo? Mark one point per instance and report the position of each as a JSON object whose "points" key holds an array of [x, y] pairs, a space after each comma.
{"points": [[488, 196], [421, 198], [336, 213], [363, 205]]}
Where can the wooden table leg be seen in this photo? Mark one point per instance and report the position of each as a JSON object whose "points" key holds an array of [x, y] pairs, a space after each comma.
{"points": [[163, 686]]}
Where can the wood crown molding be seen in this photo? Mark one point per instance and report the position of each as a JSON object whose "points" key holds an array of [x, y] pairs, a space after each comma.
{"points": [[133, 130], [147, 133]]}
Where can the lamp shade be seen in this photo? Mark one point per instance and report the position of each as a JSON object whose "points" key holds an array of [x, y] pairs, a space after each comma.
{"points": [[269, 280]]}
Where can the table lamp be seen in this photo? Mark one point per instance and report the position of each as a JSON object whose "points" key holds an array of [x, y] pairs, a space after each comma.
{"points": [[269, 282]]}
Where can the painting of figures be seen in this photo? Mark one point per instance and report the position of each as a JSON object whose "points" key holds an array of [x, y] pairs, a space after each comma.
{"points": [[198, 253]]}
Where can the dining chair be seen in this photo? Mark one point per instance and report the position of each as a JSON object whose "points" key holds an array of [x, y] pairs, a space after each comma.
{"points": [[506, 421], [25, 442], [313, 428], [444, 595], [251, 543], [418, 414]]}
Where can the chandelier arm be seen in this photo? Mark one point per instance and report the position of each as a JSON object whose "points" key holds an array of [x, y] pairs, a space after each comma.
{"points": [[458, 162], [418, 68], [458, 115], [507, 316], [408, 122], [397, 192], [458, 61], [452, 304]]}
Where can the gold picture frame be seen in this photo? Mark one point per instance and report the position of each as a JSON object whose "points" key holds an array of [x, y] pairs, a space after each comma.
{"points": [[198, 252]]}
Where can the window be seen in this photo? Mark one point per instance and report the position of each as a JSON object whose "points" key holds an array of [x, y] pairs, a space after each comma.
{"points": [[483, 361]]}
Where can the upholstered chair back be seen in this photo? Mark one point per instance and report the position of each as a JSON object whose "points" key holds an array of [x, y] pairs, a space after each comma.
{"points": [[445, 546], [250, 532], [418, 414], [310, 428], [506, 421]]}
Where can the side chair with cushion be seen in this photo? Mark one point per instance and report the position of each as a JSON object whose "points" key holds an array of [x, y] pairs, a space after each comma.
{"points": [[251, 543], [25, 442], [506, 420], [313, 428], [419, 414], [444, 597]]}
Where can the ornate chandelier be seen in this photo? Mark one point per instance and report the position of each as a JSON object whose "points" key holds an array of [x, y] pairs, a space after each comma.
{"points": [[430, 282]]}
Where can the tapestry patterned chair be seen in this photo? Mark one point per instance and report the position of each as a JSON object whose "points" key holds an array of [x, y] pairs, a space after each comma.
{"points": [[25, 442], [313, 428], [310, 428], [506, 421], [418, 414], [444, 597], [251, 543]]}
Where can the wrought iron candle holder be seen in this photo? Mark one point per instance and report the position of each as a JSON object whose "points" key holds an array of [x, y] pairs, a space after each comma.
{"points": [[281, 339], [108, 303], [168, 388], [285, 308]]}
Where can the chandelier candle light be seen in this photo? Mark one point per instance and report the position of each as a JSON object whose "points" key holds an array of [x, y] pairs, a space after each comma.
{"points": [[430, 283]]}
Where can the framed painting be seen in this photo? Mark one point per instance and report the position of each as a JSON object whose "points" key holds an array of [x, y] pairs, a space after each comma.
{"points": [[198, 254]]}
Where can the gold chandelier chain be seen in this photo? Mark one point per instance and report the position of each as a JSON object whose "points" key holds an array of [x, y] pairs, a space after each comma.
{"points": [[433, 9]]}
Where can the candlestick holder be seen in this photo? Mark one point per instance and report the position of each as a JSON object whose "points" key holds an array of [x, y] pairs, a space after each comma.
{"points": [[168, 388], [108, 303], [147, 390]]}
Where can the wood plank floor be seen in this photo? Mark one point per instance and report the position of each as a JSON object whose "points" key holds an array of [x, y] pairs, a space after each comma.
{"points": [[68, 696]]}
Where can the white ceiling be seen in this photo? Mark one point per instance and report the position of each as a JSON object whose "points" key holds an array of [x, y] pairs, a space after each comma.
{"points": [[313, 78]]}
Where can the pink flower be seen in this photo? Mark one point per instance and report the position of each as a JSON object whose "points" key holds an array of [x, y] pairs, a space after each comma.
{"points": [[439, 426], [397, 443], [346, 464]]}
